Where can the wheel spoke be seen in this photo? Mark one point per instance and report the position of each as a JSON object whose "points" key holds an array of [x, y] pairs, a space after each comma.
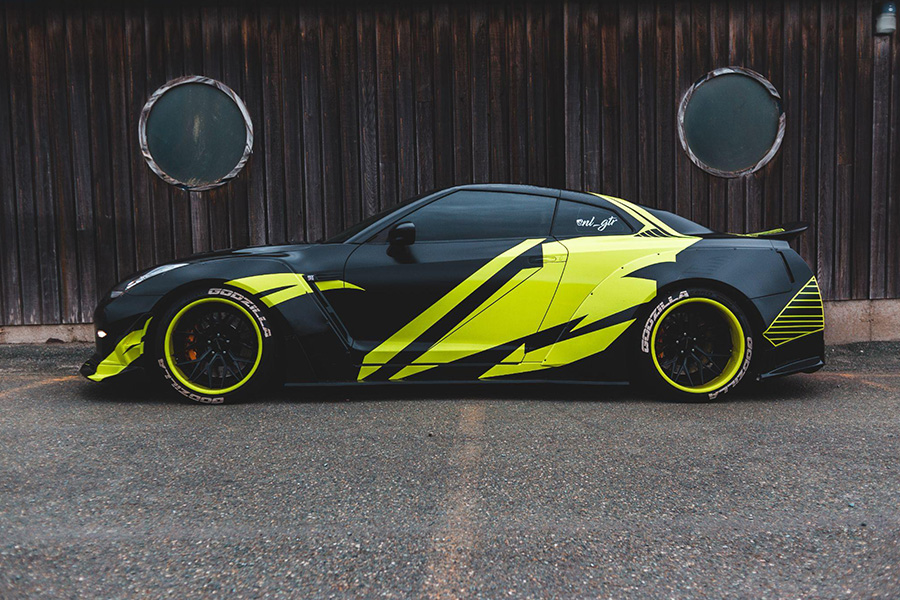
{"points": [[703, 352], [673, 375], [225, 366], [222, 375], [236, 366], [688, 372], [185, 363], [208, 372], [196, 369], [700, 367], [710, 362]]}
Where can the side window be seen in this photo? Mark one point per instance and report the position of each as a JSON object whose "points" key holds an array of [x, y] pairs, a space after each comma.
{"points": [[472, 215], [574, 219]]}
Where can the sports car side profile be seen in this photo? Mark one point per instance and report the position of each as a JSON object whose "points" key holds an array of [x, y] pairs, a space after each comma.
{"points": [[476, 282]]}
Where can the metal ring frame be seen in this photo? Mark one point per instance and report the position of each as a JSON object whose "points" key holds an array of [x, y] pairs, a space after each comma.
{"points": [[145, 115], [778, 137]]}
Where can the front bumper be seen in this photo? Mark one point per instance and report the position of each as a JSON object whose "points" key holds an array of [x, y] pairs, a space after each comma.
{"points": [[91, 369], [126, 321], [123, 357]]}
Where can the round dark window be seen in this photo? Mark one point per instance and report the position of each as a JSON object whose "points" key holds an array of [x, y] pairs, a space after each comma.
{"points": [[730, 122], [195, 133]]}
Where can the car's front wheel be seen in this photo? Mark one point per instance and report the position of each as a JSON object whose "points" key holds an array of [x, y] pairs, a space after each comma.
{"points": [[214, 345], [696, 345]]}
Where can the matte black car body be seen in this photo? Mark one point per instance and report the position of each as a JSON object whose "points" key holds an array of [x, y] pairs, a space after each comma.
{"points": [[361, 309]]}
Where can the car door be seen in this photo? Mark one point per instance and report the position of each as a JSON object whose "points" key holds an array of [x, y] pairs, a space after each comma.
{"points": [[598, 240], [602, 286], [479, 276]]}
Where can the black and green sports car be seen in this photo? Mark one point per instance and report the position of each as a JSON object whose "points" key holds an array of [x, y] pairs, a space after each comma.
{"points": [[476, 282]]}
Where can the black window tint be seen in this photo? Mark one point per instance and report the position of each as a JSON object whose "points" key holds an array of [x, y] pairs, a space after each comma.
{"points": [[472, 215], [574, 219]]}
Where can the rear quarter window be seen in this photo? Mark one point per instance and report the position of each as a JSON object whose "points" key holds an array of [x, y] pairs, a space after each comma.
{"points": [[574, 219]]}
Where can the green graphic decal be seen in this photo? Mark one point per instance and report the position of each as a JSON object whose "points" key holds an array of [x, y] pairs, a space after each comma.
{"points": [[128, 350], [802, 315]]}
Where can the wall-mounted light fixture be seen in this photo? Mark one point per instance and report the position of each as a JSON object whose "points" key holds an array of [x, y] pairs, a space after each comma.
{"points": [[886, 20]]}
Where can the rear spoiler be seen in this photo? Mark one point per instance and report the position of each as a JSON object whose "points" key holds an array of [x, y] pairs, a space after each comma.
{"points": [[785, 233]]}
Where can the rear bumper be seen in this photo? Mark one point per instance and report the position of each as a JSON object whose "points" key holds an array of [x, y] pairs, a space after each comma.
{"points": [[803, 355], [804, 365], [794, 339]]}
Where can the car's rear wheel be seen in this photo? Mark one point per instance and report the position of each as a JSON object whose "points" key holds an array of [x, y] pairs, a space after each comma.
{"points": [[215, 345], [696, 345]]}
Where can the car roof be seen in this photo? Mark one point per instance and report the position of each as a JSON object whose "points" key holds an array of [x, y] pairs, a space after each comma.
{"points": [[535, 190], [517, 188]]}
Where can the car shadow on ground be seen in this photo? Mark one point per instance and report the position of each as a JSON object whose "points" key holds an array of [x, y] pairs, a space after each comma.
{"points": [[136, 388]]}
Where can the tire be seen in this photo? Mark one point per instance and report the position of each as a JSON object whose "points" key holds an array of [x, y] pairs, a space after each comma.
{"points": [[215, 346], [696, 345]]}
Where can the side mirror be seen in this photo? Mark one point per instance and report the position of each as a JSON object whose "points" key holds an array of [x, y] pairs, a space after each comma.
{"points": [[402, 234]]}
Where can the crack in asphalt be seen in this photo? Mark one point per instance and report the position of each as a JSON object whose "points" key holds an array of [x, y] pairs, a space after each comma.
{"points": [[447, 571]]}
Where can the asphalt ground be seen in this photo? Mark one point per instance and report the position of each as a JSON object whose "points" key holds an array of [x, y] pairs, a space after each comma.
{"points": [[788, 489]]}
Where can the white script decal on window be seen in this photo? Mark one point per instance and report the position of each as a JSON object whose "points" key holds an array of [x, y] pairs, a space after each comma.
{"points": [[598, 226]]}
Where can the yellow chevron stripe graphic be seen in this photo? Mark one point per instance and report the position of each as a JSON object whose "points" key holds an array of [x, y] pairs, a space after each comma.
{"points": [[337, 284], [434, 313], [128, 350], [595, 283], [650, 222], [293, 283]]}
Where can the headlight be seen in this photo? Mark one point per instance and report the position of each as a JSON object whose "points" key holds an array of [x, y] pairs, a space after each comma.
{"points": [[130, 283]]}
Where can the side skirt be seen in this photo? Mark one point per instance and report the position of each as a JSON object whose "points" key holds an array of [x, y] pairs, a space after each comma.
{"points": [[457, 382]]}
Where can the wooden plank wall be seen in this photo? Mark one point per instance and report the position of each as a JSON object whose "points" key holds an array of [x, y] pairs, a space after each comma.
{"points": [[628, 64], [356, 107]]}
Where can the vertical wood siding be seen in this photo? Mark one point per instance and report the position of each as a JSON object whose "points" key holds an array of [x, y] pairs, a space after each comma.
{"points": [[359, 106]]}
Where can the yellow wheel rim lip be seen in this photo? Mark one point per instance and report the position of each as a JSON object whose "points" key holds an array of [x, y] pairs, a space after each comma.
{"points": [[177, 372], [737, 341]]}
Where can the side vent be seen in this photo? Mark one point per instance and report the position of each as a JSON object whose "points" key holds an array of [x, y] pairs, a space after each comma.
{"points": [[652, 232], [802, 315]]}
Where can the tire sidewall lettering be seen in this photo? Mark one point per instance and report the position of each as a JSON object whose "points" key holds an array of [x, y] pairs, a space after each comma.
{"points": [[246, 303], [748, 353], [186, 392], [654, 316]]}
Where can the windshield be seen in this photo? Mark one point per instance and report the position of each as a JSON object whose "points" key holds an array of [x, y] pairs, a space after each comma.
{"points": [[354, 229]]}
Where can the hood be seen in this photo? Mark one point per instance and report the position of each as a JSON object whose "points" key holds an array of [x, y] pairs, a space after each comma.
{"points": [[277, 251]]}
